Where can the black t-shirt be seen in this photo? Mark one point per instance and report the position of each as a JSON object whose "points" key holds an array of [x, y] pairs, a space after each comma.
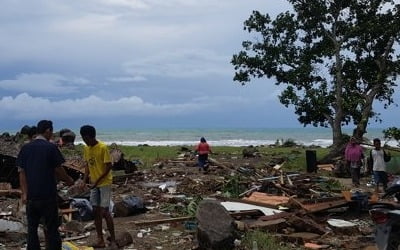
{"points": [[39, 159]]}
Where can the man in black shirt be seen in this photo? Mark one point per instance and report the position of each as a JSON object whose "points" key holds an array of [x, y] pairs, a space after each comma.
{"points": [[39, 163]]}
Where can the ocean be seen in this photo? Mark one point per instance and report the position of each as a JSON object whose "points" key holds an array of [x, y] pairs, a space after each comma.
{"points": [[223, 137]]}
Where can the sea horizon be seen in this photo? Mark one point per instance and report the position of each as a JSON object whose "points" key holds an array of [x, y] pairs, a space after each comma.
{"points": [[223, 136]]}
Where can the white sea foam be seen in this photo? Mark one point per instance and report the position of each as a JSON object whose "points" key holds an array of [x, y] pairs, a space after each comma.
{"points": [[232, 143], [223, 137]]}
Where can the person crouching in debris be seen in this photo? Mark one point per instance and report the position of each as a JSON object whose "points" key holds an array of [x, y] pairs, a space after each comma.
{"points": [[353, 155], [39, 163], [203, 149], [98, 168]]}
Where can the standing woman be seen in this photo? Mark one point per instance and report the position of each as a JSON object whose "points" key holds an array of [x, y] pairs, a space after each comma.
{"points": [[353, 156], [203, 149]]}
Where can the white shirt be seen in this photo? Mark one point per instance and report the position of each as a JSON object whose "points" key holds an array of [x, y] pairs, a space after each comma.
{"points": [[378, 160]]}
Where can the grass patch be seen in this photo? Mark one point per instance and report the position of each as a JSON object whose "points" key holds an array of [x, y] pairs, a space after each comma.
{"points": [[295, 157], [149, 155], [264, 241], [233, 187]]}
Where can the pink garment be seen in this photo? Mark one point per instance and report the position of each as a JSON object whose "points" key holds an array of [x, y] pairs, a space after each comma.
{"points": [[353, 153]]}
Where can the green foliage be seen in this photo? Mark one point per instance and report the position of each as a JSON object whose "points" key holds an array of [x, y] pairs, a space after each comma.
{"points": [[180, 209], [392, 133], [150, 154], [331, 185], [288, 143], [176, 210], [265, 241], [191, 208], [232, 188], [334, 57], [294, 157]]}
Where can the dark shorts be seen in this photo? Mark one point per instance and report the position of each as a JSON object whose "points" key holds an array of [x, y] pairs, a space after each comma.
{"points": [[380, 177], [202, 160]]}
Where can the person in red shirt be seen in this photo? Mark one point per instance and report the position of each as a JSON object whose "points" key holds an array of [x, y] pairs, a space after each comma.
{"points": [[203, 149], [354, 156]]}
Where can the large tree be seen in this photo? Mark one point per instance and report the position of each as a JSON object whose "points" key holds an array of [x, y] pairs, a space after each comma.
{"points": [[334, 57]]}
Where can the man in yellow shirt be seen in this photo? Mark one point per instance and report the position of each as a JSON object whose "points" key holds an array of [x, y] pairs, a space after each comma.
{"points": [[98, 168]]}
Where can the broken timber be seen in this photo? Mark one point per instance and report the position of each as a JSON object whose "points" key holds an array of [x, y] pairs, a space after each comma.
{"points": [[186, 218], [319, 206], [271, 200]]}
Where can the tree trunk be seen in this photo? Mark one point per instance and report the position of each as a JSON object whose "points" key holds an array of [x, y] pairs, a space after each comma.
{"points": [[338, 144], [361, 128], [336, 122]]}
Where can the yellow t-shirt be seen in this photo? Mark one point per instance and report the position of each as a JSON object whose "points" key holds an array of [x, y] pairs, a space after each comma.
{"points": [[96, 158]]}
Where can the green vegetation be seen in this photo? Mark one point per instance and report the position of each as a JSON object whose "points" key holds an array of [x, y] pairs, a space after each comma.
{"points": [[264, 241], [288, 143], [294, 157], [191, 208], [149, 155], [334, 59], [184, 208], [331, 185], [233, 187], [392, 133]]}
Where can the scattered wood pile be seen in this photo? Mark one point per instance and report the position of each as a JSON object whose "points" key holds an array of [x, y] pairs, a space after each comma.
{"points": [[173, 206]]}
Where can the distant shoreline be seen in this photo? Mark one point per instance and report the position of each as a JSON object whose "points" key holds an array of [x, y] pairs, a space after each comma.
{"points": [[321, 137]]}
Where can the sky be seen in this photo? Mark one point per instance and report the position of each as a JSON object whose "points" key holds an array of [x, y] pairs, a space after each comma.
{"points": [[134, 64]]}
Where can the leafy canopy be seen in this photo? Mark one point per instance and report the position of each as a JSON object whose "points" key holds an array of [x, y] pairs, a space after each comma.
{"points": [[335, 57]]}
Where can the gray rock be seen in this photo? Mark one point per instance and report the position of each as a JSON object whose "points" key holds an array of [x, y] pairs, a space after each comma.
{"points": [[215, 226]]}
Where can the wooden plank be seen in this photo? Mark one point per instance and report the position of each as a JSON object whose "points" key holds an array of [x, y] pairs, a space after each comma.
{"points": [[267, 199], [247, 202], [326, 167], [270, 224], [275, 216], [71, 165], [161, 221], [10, 192], [249, 191], [68, 210], [186, 218], [320, 206]]}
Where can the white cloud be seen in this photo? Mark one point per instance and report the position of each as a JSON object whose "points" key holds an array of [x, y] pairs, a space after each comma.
{"points": [[127, 79], [109, 58], [181, 63], [43, 83], [93, 106], [91, 23], [133, 4]]}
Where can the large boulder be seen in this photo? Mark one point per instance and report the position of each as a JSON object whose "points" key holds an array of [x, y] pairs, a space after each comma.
{"points": [[215, 229]]}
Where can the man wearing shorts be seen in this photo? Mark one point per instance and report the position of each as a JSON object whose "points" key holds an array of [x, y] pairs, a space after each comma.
{"points": [[379, 158], [98, 168]]}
